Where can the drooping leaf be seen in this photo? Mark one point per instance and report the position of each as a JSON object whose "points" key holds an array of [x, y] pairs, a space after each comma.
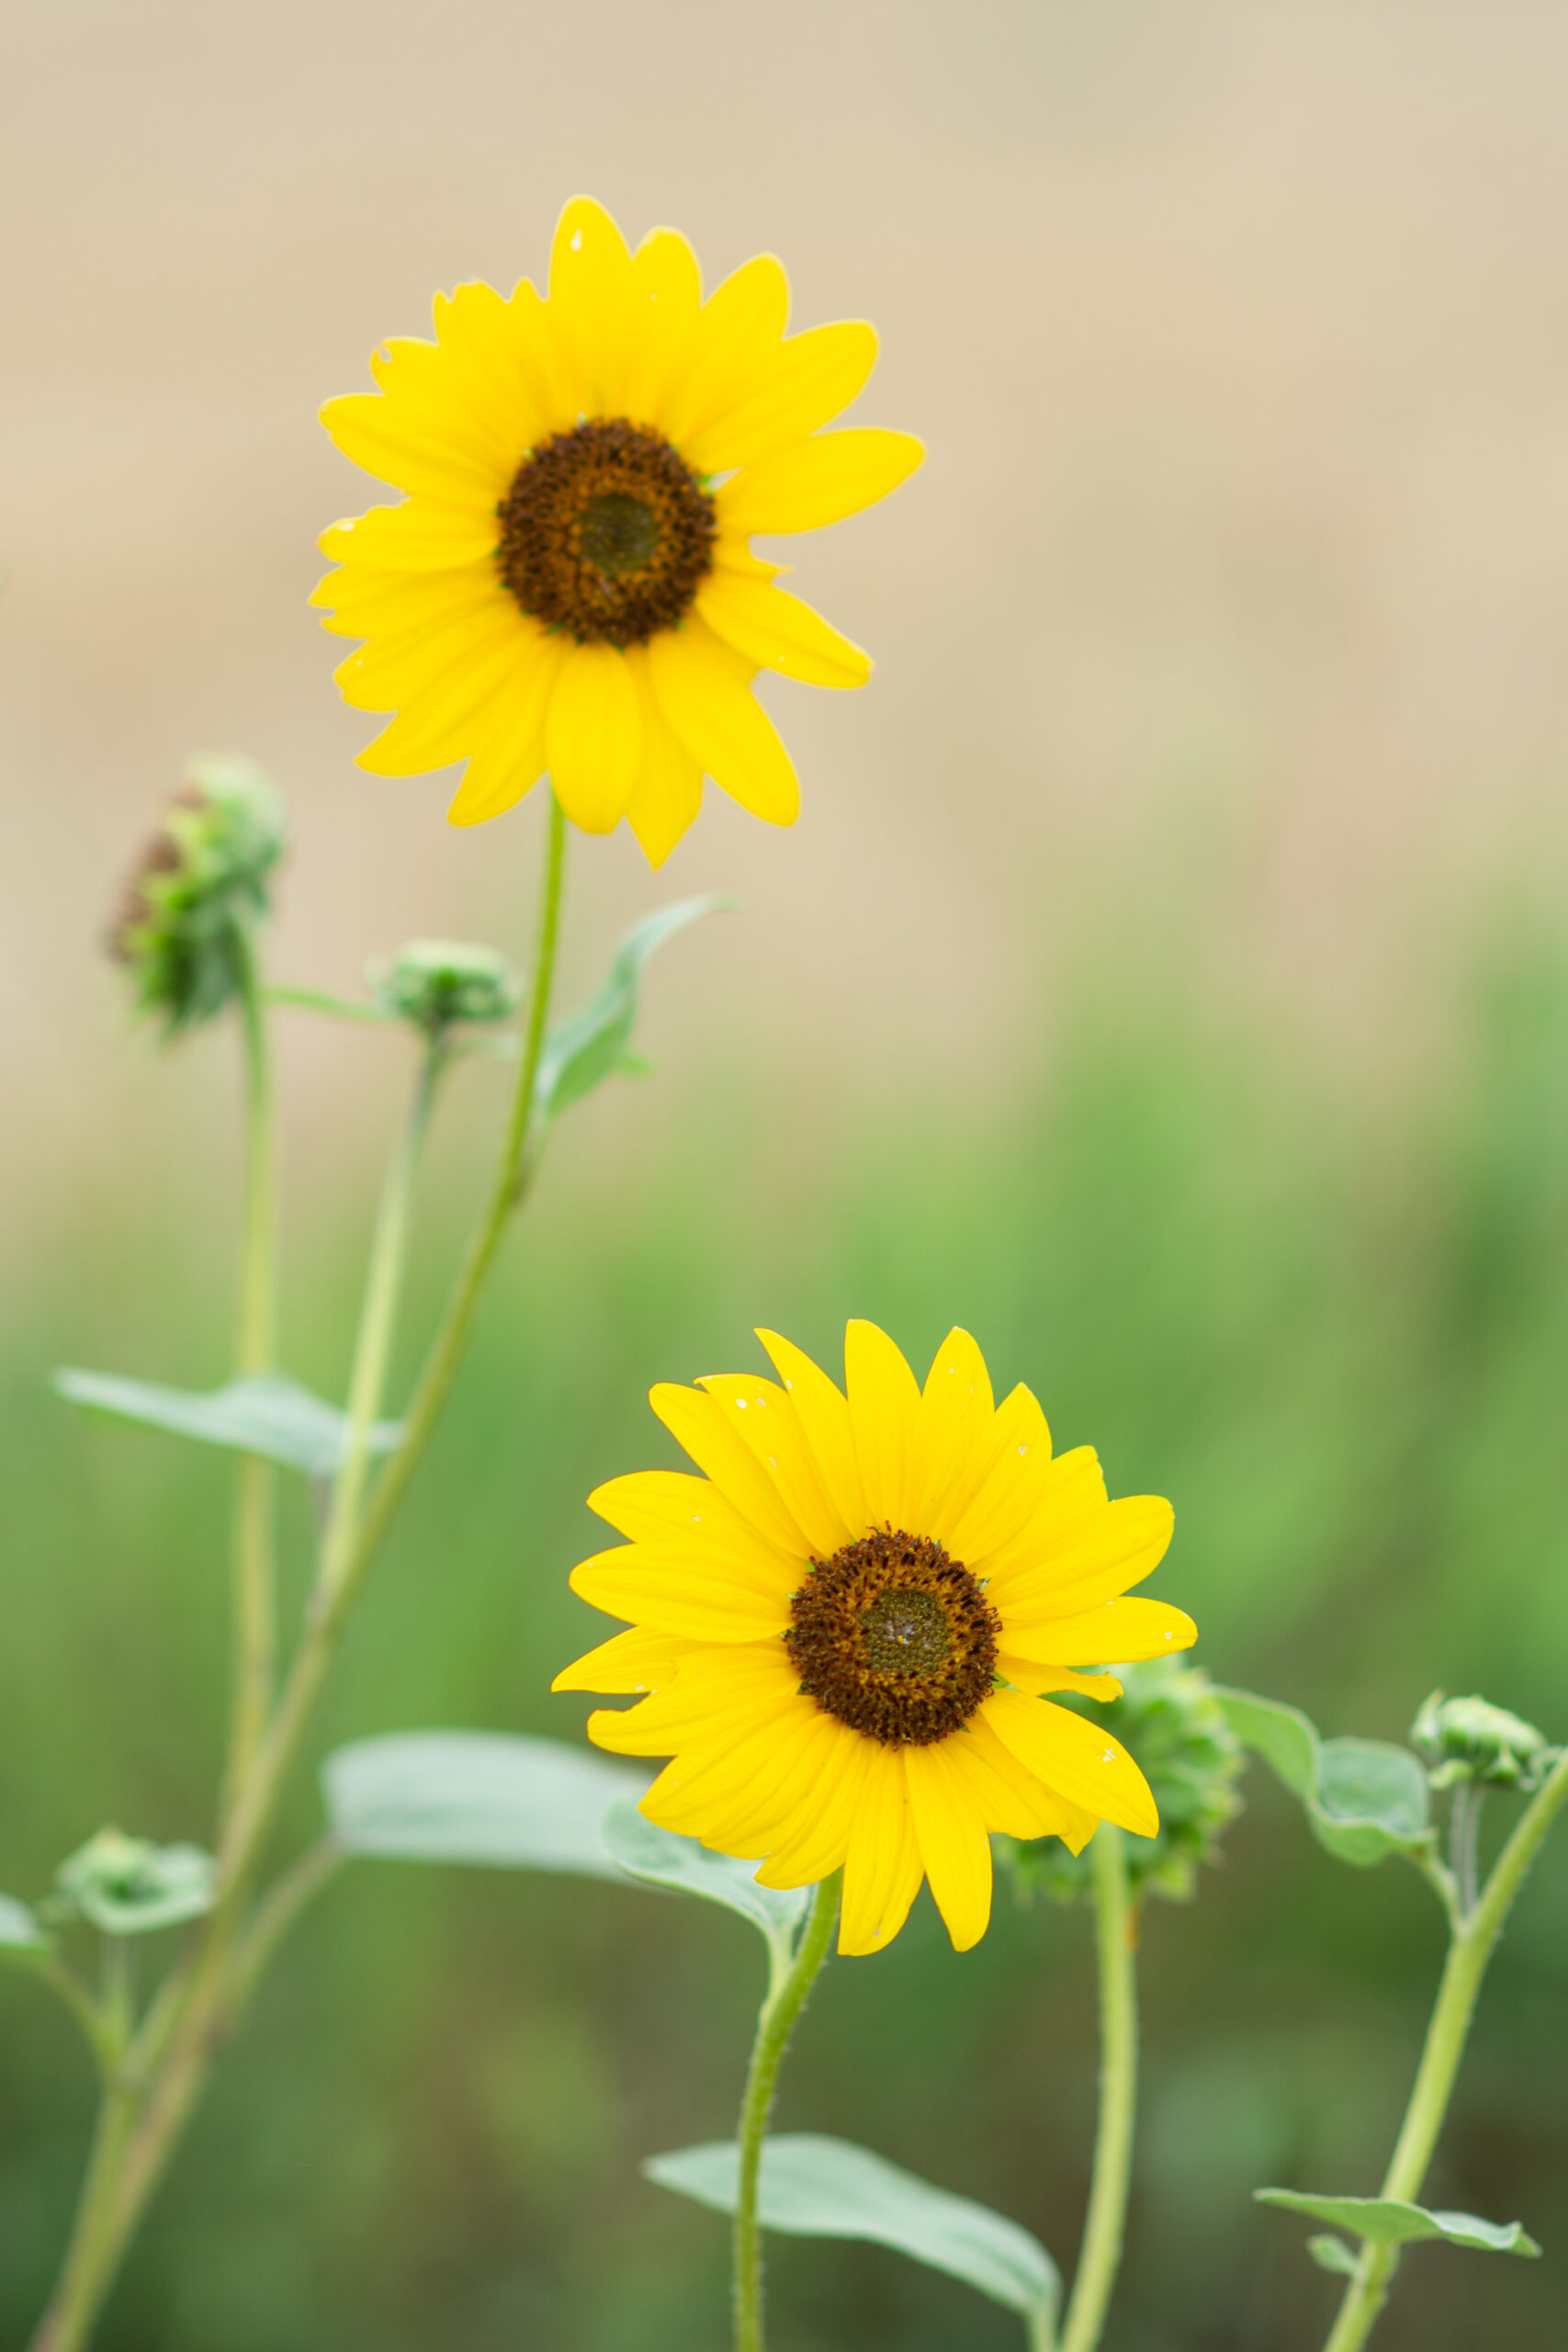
{"points": [[128, 1886], [474, 1797], [20, 1934], [589, 1047], [1330, 2252], [661, 1859], [1390, 2220], [819, 2188], [264, 1413], [1364, 1798]]}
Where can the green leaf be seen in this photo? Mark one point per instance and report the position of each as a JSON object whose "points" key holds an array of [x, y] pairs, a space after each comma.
{"points": [[266, 1413], [21, 1938], [817, 2187], [1389, 2220], [476, 1796], [128, 1886], [661, 1859], [1364, 1798], [1332, 2254], [583, 1052]]}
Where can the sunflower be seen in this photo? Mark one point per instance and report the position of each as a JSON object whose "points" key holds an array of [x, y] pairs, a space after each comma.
{"points": [[847, 1624], [569, 582]]}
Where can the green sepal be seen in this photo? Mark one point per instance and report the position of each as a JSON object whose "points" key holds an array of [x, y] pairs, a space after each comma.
{"points": [[266, 1413], [1330, 2252], [1365, 1798], [815, 2187], [128, 1886], [580, 1053], [494, 1798], [658, 1857], [1390, 2220]]}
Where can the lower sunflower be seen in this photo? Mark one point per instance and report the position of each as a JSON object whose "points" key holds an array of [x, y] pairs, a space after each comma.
{"points": [[846, 1627]]}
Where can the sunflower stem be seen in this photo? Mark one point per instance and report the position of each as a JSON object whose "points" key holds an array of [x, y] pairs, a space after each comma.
{"points": [[1116, 1934], [1473, 1940], [786, 1995]]}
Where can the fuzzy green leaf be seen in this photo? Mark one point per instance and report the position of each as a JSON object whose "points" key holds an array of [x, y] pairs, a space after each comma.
{"points": [[266, 1413], [1389, 2220], [659, 1857], [494, 1798], [818, 2188], [1364, 1798], [583, 1052]]}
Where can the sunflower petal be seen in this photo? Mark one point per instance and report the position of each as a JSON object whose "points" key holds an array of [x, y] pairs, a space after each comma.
{"points": [[1076, 1759], [733, 337], [415, 450], [455, 714], [824, 1416], [762, 1417], [884, 1406], [666, 295], [703, 692], [1084, 1562], [698, 1423], [1008, 1493], [809, 379], [509, 354], [672, 1591], [591, 299], [774, 630], [821, 1837], [818, 481], [593, 737], [636, 1660], [667, 1506], [417, 535], [668, 794], [1028, 1674], [953, 1846], [1118, 1629], [952, 1443], [1010, 1797], [511, 759], [883, 1869]]}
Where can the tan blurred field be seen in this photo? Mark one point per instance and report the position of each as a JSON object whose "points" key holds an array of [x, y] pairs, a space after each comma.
{"points": [[1239, 336]]}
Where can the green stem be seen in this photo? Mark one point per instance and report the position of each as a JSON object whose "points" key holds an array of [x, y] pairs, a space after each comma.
{"points": [[1116, 1931], [89, 2266], [788, 1988], [1469, 1952], [255, 1349]]}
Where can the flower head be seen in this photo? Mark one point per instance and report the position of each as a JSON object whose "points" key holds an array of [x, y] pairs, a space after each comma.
{"points": [[183, 928], [847, 1626], [569, 582]]}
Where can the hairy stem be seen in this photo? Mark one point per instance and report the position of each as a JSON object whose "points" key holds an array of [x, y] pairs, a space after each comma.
{"points": [[787, 1989], [1116, 1934], [1469, 1952]]}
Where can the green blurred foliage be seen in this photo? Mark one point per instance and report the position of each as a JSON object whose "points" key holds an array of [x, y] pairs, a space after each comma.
{"points": [[1332, 1326]]}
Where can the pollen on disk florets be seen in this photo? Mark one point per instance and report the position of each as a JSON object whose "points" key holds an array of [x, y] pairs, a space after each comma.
{"points": [[606, 533], [894, 1638]]}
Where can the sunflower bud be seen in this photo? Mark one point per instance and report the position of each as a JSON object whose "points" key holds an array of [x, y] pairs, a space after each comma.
{"points": [[183, 928], [435, 982], [1468, 1740], [127, 1886], [1172, 1726]]}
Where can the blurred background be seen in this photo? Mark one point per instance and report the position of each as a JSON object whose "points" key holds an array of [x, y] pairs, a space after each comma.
{"points": [[1168, 978]]}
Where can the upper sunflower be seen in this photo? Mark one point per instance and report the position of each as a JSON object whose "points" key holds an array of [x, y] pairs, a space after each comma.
{"points": [[569, 582], [848, 1625]]}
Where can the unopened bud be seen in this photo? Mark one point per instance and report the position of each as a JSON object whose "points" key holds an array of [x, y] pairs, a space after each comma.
{"points": [[435, 982], [1469, 1739], [126, 1885], [183, 928]]}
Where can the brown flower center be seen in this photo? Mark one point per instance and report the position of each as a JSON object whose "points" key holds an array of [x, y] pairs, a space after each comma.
{"points": [[894, 1638], [607, 533]]}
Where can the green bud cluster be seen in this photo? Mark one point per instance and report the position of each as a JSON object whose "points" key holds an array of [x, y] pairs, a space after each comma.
{"points": [[184, 927], [126, 1885], [1171, 1724], [435, 982], [1469, 1739]]}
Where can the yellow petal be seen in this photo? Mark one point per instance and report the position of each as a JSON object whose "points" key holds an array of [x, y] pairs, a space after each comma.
{"points": [[591, 297], [719, 1695], [808, 380], [1119, 1629], [415, 450], [762, 1417], [884, 1403], [1074, 1758], [1059, 1571], [883, 1868], [394, 607], [418, 535], [953, 1442], [821, 1839], [774, 630], [702, 690], [953, 1842], [443, 396], [388, 673], [818, 481], [733, 338], [1029, 1674], [1070, 1498], [1009, 1492], [509, 357], [672, 1590], [511, 759], [698, 1423], [1009, 1796], [824, 1417], [666, 294], [456, 712], [735, 1797], [593, 737], [631, 1661], [672, 1506], [668, 793]]}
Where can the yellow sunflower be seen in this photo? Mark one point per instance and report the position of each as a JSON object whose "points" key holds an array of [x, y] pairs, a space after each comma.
{"points": [[847, 1623], [569, 582]]}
